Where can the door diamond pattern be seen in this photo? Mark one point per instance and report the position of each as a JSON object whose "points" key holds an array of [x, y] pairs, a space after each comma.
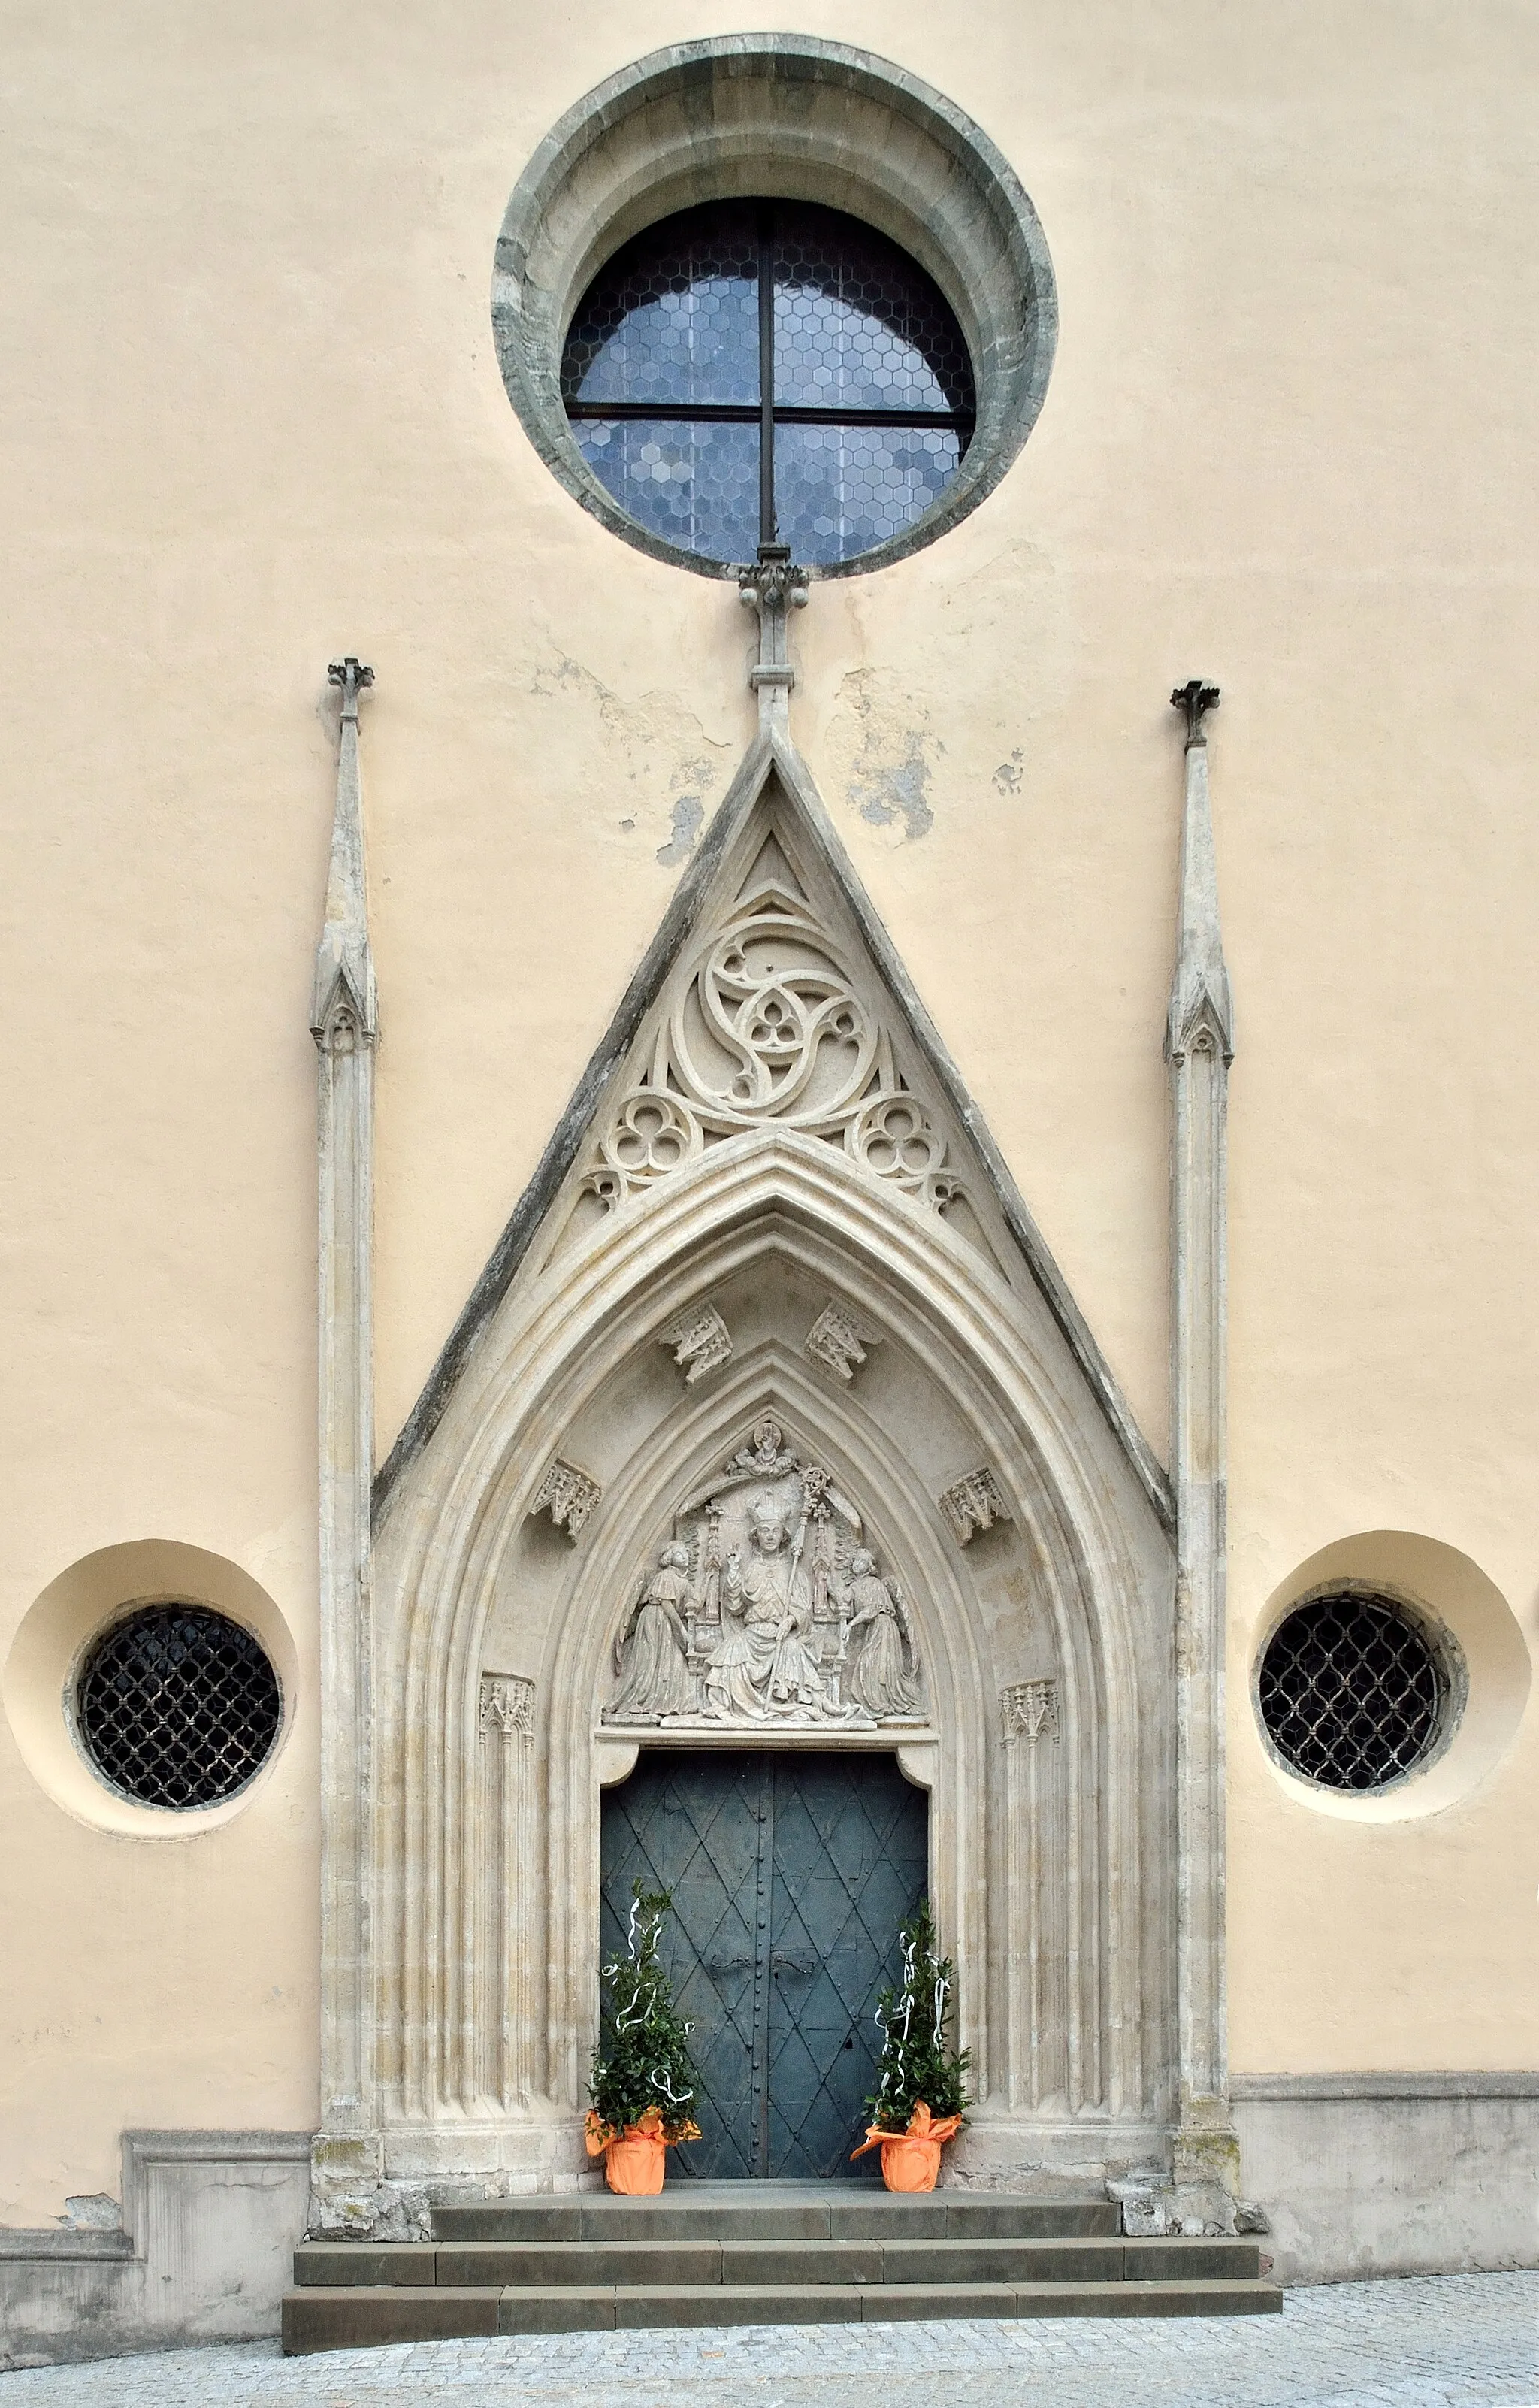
{"points": [[789, 1873]]}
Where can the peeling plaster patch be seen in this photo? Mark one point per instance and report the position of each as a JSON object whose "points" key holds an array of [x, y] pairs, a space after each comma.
{"points": [[649, 743], [1007, 776], [688, 815], [890, 749]]}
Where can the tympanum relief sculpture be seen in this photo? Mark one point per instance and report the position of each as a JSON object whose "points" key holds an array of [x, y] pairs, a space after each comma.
{"points": [[766, 1609]]}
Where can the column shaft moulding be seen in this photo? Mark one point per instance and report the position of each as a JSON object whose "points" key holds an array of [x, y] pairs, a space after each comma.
{"points": [[1199, 1049], [344, 1021]]}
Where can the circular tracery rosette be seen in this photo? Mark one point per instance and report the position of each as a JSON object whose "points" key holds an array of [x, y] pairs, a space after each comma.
{"points": [[891, 1135], [654, 1135], [770, 1027]]}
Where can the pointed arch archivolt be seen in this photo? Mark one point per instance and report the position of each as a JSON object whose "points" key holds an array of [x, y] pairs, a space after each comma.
{"points": [[1064, 1979]]}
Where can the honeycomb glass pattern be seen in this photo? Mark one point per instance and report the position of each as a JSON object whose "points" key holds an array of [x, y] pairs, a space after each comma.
{"points": [[673, 317], [695, 486], [1351, 1694], [664, 381], [858, 324], [842, 490], [178, 1706]]}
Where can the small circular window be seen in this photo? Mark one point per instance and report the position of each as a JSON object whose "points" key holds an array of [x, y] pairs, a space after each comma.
{"points": [[1353, 1694], [178, 1706], [753, 373]]}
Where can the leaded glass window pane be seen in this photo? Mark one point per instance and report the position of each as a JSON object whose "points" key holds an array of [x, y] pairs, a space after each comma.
{"points": [[673, 318], [843, 490], [695, 486], [857, 325], [747, 323]]}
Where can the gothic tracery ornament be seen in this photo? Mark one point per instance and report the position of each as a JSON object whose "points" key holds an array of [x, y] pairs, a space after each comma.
{"points": [[508, 1704], [772, 1025], [700, 1340], [973, 1503], [568, 1493], [1030, 1710], [838, 1341]]}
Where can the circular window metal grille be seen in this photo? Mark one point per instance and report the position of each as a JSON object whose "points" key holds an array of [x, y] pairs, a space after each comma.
{"points": [[178, 1706], [1352, 1694]]}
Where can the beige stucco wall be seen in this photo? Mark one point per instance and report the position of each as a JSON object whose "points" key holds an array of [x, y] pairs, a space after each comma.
{"points": [[254, 418]]}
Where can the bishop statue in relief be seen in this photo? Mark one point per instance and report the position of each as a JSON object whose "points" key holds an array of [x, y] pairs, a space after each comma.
{"points": [[761, 1668]]}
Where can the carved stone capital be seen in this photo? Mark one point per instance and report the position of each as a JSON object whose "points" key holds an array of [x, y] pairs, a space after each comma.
{"points": [[568, 1493], [508, 1704], [700, 1341], [973, 1503], [773, 586], [773, 582], [1030, 1710], [838, 1341], [1196, 699]]}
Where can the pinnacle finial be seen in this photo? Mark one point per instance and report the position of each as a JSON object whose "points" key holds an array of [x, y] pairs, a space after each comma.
{"points": [[352, 675], [1195, 699]]}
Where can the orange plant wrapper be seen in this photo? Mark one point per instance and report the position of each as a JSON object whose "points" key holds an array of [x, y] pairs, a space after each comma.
{"points": [[634, 2159], [911, 2159], [634, 2164]]}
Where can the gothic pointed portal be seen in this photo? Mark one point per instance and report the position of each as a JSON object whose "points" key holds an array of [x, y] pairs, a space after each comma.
{"points": [[771, 1002], [771, 1426]]}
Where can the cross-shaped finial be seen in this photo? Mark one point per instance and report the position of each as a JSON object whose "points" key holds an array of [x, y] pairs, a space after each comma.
{"points": [[351, 675], [1194, 698]]}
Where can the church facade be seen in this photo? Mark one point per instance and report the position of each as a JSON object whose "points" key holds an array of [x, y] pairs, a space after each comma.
{"points": [[770, 1133]]}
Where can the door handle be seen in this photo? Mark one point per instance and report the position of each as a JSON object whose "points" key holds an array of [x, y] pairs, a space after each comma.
{"points": [[727, 1964], [785, 1963]]}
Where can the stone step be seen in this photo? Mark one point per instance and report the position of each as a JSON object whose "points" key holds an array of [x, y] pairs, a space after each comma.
{"points": [[360, 2316], [764, 2265], [778, 2213]]}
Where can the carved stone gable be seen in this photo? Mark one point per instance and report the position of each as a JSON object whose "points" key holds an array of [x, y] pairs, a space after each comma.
{"points": [[773, 1017], [767, 1609]]}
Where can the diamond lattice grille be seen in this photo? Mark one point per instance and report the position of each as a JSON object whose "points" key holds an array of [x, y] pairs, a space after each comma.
{"points": [[1351, 1694], [178, 1706], [790, 1874]]}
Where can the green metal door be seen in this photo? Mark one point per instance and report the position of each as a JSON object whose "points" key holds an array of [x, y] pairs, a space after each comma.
{"points": [[790, 1872]]}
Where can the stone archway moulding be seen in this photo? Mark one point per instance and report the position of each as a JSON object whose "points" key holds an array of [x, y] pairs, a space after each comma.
{"points": [[769, 1200]]}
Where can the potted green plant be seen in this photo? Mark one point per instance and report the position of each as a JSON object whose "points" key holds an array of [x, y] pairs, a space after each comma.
{"points": [[643, 2078], [921, 2095]]}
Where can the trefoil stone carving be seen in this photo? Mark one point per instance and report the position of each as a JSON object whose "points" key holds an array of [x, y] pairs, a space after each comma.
{"points": [[700, 1341], [508, 1704], [973, 1503], [772, 1028], [839, 1342], [570, 1496], [766, 1610], [1030, 1709]]}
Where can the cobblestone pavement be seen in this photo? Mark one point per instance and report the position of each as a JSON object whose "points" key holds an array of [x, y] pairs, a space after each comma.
{"points": [[1453, 2340]]}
